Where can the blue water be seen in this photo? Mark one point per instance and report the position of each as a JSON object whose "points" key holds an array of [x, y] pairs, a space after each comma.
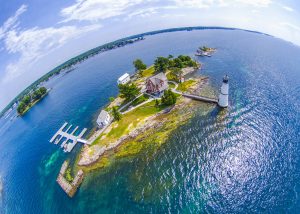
{"points": [[243, 160]]}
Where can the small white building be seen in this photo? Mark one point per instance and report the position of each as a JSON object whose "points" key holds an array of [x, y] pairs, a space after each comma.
{"points": [[125, 78], [103, 119]]}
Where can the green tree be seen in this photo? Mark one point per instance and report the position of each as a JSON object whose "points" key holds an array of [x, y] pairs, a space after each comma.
{"points": [[169, 98], [176, 74], [161, 64], [178, 63], [21, 107], [139, 65], [37, 95], [128, 91], [68, 175], [43, 90], [111, 99], [116, 114], [26, 100]]}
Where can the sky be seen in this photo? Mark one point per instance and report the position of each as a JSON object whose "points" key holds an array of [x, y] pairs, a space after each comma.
{"points": [[38, 35]]}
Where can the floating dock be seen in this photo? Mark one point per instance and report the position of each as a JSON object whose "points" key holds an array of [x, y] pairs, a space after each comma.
{"points": [[70, 138]]}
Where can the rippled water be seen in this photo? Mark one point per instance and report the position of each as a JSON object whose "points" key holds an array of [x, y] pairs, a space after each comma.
{"points": [[241, 160]]}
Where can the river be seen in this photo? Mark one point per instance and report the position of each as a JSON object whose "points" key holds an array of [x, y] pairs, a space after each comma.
{"points": [[242, 160]]}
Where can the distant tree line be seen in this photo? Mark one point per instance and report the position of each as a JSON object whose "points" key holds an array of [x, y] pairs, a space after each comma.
{"points": [[30, 98]]}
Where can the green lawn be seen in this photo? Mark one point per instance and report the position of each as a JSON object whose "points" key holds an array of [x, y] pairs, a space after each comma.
{"points": [[140, 100], [148, 72], [171, 76], [128, 122], [171, 85], [185, 85]]}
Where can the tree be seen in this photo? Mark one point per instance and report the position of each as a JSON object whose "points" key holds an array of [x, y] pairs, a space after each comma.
{"points": [[37, 95], [26, 100], [128, 91], [161, 64], [111, 99], [169, 98], [175, 74], [43, 90], [68, 175], [139, 65], [21, 107], [116, 114], [178, 63]]}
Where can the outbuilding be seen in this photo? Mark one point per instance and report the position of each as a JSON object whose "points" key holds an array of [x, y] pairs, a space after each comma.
{"points": [[103, 119], [125, 78]]}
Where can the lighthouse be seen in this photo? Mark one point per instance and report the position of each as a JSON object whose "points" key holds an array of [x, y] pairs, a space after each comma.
{"points": [[223, 96]]}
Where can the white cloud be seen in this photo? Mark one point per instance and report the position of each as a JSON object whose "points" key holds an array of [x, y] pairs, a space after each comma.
{"points": [[12, 22], [288, 8], [142, 13], [220, 3], [255, 3], [34, 43], [94, 10], [30, 45], [195, 3]]}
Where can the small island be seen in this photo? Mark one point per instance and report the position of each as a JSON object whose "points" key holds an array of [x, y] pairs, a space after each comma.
{"points": [[31, 99], [205, 51], [150, 105]]}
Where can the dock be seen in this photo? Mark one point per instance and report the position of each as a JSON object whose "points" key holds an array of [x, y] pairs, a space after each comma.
{"points": [[69, 188], [70, 138]]}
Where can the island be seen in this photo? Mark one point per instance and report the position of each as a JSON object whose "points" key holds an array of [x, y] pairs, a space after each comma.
{"points": [[29, 100], [150, 105], [205, 51]]}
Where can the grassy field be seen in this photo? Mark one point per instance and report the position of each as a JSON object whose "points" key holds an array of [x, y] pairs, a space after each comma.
{"points": [[128, 122], [185, 85], [140, 100], [148, 72]]}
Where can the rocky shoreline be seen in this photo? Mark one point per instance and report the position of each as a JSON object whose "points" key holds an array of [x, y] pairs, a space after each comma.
{"points": [[91, 154]]}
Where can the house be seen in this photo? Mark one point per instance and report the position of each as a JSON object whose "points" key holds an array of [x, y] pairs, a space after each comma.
{"points": [[157, 83], [103, 119], [125, 78]]}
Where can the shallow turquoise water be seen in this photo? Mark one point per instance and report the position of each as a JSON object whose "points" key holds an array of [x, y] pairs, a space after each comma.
{"points": [[243, 160]]}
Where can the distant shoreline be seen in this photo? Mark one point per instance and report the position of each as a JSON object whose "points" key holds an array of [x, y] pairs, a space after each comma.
{"points": [[106, 47]]}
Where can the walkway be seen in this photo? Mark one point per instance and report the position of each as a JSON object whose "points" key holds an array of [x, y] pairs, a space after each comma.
{"points": [[193, 96]]}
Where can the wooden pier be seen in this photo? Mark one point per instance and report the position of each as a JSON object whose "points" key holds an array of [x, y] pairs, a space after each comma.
{"points": [[70, 138]]}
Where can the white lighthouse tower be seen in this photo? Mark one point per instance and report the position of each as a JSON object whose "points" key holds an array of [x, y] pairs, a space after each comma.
{"points": [[223, 96]]}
